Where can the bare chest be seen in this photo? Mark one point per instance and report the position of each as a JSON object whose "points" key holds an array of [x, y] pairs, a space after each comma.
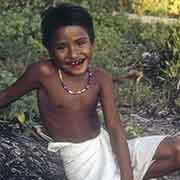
{"points": [[53, 96]]}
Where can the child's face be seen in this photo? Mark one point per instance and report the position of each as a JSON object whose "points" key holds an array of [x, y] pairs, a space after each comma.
{"points": [[71, 49]]}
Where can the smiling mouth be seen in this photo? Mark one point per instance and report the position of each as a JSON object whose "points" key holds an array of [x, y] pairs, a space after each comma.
{"points": [[77, 62]]}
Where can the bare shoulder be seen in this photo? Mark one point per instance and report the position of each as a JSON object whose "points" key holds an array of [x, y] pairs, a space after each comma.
{"points": [[42, 68], [103, 78]]}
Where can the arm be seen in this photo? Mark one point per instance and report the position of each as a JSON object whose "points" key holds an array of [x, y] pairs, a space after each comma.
{"points": [[115, 128], [26, 83]]}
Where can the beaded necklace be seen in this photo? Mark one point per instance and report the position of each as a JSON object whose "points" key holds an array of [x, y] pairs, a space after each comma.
{"points": [[79, 91]]}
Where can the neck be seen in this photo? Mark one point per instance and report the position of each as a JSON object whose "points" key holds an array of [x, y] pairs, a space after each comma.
{"points": [[78, 91], [71, 77]]}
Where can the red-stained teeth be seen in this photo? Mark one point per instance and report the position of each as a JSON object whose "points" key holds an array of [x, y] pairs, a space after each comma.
{"points": [[77, 62]]}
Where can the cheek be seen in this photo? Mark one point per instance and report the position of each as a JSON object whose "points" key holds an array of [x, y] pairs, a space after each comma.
{"points": [[88, 52], [60, 55]]}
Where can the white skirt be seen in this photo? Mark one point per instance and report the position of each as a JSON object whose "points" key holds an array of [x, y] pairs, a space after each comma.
{"points": [[94, 159]]}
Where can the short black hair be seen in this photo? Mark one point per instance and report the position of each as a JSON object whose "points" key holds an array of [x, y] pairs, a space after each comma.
{"points": [[63, 15]]}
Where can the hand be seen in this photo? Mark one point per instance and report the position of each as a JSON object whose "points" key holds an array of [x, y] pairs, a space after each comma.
{"points": [[134, 75]]}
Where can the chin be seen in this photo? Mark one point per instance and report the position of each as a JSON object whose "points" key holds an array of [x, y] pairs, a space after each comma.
{"points": [[80, 72]]}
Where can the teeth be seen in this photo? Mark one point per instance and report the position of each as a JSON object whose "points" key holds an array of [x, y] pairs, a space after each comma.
{"points": [[77, 62]]}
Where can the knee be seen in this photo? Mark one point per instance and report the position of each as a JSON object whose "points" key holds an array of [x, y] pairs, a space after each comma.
{"points": [[176, 148]]}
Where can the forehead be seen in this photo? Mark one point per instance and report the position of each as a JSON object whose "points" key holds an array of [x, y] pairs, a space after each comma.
{"points": [[70, 32]]}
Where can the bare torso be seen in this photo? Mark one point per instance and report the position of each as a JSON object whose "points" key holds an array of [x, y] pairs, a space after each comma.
{"points": [[66, 117]]}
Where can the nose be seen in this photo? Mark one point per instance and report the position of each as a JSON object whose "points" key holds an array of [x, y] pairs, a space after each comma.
{"points": [[73, 52]]}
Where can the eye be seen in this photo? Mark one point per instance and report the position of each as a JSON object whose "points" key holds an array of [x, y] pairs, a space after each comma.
{"points": [[82, 42], [61, 46]]}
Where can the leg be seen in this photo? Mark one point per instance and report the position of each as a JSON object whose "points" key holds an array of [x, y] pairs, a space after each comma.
{"points": [[167, 158]]}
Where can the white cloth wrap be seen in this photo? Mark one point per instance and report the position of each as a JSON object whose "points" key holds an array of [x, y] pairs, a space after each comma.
{"points": [[94, 159]]}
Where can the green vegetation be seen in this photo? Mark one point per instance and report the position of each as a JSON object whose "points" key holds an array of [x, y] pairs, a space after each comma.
{"points": [[120, 45], [156, 7]]}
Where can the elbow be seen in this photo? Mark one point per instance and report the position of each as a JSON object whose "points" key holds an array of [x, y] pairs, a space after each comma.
{"points": [[113, 126], [113, 121]]}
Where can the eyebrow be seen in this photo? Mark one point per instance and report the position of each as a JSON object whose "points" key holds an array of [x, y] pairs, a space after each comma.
{"points": [[82, 39]]}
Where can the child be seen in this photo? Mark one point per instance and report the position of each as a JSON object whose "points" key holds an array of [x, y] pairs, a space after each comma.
{"points": [[68, 90]]}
